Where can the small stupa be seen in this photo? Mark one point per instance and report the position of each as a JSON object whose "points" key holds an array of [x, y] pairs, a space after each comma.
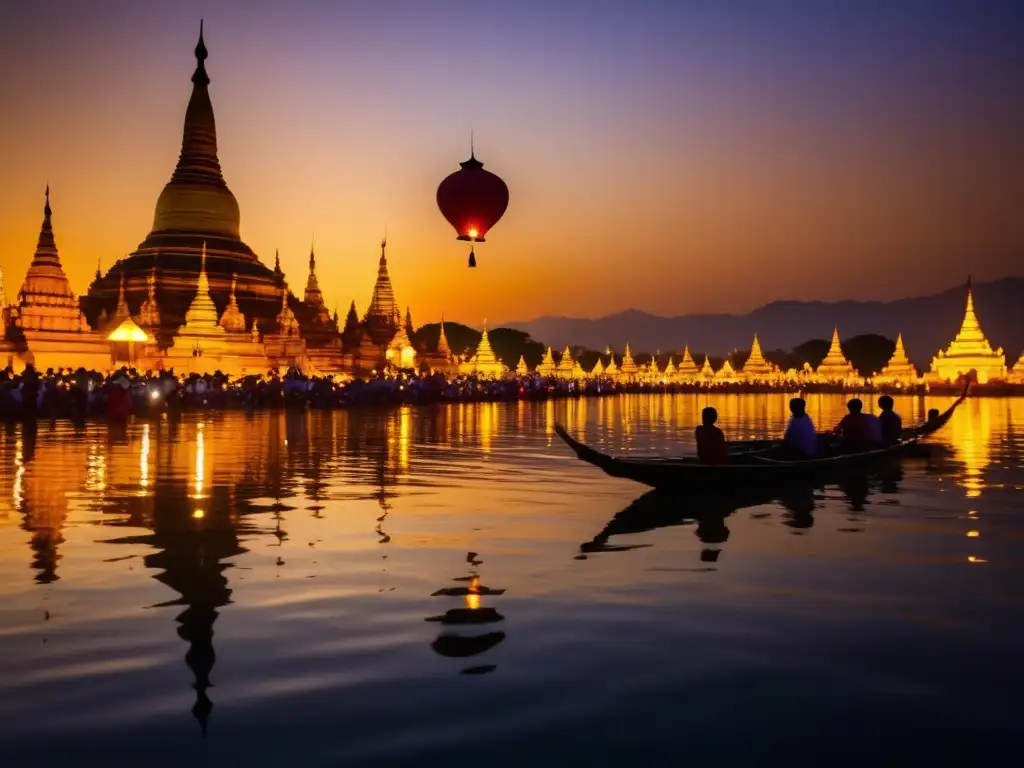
{"points": [[598, 370], [629, 367], [969, 351], [757, 368], [483, 362], [612, 369], [899, 369], [565, 365], [203, 344], [522, 369], [726, 373], [149, 312], [547, 365], [232, 320], [835, 367], [687, 368], [706, 371]]}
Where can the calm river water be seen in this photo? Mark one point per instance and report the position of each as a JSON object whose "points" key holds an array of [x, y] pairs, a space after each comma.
{"points": [[407, 586]]}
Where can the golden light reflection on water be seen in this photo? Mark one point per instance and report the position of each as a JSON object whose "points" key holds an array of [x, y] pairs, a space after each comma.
{"points": [[200, 464], [144, 461]]}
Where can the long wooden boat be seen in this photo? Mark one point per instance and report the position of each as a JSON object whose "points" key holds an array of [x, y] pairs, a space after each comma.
{"points": [[755, 467]]}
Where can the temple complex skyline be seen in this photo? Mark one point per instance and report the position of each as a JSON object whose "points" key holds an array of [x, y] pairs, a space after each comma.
{"points": [[841, 154]]}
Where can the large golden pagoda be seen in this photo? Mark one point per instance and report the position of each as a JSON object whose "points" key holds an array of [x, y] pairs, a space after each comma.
{"points": [[320, 329], [899, 369], [195, 207], [835, 367], [45, 325], [969, 351], [381, 321], [757, 368]]}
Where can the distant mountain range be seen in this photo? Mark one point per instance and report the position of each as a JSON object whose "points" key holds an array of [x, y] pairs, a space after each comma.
{"points": [[928, 323]]}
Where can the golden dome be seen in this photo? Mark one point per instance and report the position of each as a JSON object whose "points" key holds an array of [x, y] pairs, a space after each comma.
{"points": [[196, 199]]}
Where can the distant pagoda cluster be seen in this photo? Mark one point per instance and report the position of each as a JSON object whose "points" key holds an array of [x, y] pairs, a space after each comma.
{"points": [[193, 296]]}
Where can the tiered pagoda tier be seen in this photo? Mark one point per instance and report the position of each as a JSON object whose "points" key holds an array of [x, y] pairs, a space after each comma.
{"points": [[45, 325], [483, 362], [547, 365], [204, 343], [565, 365], [757, 368], [835, 366], [969, 351], [195, 207], [687, 368], [899, 369]]}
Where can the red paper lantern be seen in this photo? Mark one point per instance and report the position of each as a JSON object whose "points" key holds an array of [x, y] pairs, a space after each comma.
{"points": [[472, 200]]}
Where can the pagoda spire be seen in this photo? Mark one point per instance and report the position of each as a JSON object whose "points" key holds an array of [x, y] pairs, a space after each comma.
{"points": [[3, 294], [122, 302], [442, 341], [198, 162], [233, 320], [149, 312], [277, 263], [383, 305], [46, 247], [99, 269]]}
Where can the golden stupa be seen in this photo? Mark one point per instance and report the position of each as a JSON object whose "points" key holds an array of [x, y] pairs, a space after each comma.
{"points": [[598, 370], [547, 365], [757, 368], [628, 368], [726, 373], [45, 326], [969, 351], [521, 367], [196, 207], [835, 367], [483, 362], [204, 344], [565, 365], [899, 369], [687, 368], [670, 369], [1017, 372], [612, 369], [706, 371]]}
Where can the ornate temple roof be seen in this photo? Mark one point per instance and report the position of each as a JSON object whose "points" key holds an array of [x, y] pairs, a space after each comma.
{"points": [[686, 366], [628, 367], [547, 365], [233, 320]]}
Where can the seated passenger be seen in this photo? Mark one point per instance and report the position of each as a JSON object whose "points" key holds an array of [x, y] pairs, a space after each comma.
{"points": [[711, 446], [890, 421], [801, 438], [859, 432]]}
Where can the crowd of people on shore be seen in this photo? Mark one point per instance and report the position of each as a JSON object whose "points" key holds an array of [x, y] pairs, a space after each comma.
{"points": [[81, 394]]}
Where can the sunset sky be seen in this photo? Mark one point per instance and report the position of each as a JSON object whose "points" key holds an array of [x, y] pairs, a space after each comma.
{"points": [[673, 157]]}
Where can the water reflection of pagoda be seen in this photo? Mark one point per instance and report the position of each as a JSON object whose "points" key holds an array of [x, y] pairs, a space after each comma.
{"points": [[460, 645], [191, 541]]}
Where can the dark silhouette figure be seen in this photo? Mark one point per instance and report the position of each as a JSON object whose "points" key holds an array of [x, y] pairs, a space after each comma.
{"points": [[711, 445], [890, 421]]}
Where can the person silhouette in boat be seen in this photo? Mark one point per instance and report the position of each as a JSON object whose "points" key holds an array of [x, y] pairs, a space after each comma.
{"points": [[801, 438], [890, 422], [711, 445], [859, 431]]}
